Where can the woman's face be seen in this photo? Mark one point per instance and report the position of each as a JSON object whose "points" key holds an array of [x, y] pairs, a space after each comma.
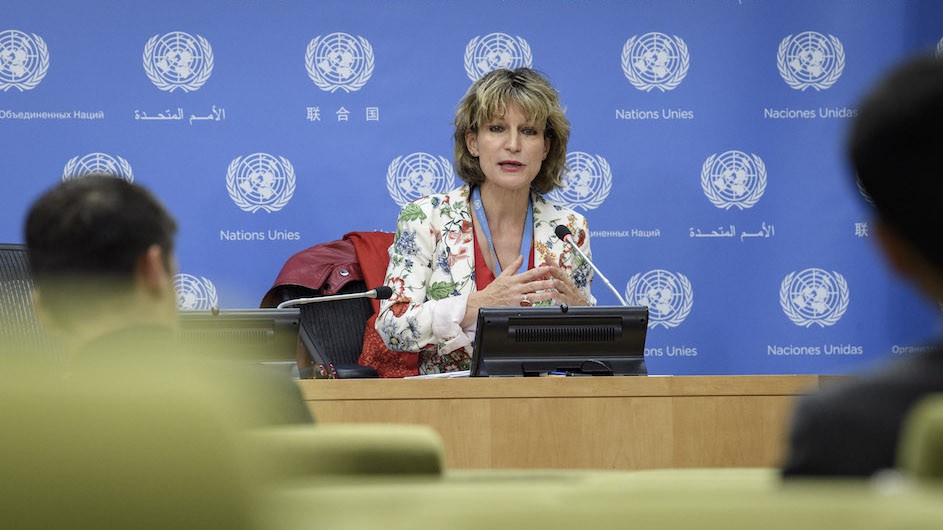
{"points": [[510, 149]]}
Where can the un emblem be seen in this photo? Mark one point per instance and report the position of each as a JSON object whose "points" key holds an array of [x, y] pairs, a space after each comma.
{"points": [[586, 181], [655, 60], [811, 59], [178, 60], [24, 60], [668, 295], [814, 296], [260, 182], [417, 175], [495, 51], [195, 292], [939, 48], [733, 178], [339, 61], [97, 164]]}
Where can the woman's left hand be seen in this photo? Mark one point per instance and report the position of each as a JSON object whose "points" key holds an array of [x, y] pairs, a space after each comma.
{"points": [[564, 291]]}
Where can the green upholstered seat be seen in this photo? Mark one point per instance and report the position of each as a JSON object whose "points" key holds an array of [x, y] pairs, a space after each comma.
{"points": [[332, 450], [120, 453], [920, 453], [114, 454], [616, 500]]}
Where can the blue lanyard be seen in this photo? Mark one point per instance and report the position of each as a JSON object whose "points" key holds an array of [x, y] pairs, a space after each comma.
{"points": [[527, 239]]}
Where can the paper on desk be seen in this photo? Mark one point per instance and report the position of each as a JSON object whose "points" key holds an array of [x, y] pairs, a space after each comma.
{"points": [[444, 375]]}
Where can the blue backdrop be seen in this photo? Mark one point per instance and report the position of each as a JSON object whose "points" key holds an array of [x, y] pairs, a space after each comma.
{"points": [[707, 145]]}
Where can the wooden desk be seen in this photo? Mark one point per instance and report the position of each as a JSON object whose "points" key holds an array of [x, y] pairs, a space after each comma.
{"points": [[581, 422]]}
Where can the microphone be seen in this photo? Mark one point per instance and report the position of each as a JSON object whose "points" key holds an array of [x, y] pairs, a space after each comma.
{"points": [[380, 293], [566, 236]]}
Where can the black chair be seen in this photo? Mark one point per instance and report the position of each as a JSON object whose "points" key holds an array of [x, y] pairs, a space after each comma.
{"points": [[332, 332], [20, 331]]}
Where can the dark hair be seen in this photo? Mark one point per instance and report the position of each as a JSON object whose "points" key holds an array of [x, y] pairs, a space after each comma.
{"points": [[896, 147], [88, 233], [489, 97]]}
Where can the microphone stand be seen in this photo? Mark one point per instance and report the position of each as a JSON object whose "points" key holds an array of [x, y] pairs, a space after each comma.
{"points": [[598, 272], [381, 293], [566, 236]]}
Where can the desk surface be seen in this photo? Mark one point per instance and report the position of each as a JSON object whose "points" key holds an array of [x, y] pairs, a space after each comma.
{"points": [[522, 387], [581, 422]]}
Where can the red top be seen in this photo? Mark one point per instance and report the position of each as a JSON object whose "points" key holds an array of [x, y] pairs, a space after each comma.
{"points": [[483, 275]]}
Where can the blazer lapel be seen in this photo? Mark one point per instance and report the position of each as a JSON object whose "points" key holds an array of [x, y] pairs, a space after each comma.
{"points": [[547, 246], [458, 238]]}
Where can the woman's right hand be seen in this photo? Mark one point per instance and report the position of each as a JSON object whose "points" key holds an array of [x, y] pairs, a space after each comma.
{"points": [[511, 289]]}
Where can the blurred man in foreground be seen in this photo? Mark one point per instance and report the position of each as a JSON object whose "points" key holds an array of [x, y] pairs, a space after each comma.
{"points": [[896, 147], [101, 258]]}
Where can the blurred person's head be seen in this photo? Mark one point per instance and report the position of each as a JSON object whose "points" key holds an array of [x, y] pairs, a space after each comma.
{"points": [[527, 93], [896, 148], [101, 257]]}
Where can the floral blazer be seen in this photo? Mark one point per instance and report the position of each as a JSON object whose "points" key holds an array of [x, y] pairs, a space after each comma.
{"points": [[433, 257]]}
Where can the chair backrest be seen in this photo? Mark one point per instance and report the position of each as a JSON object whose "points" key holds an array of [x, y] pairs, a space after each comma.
{"points": [[920, 450], [335, 328], [18, 324], [112, 452], [346, 451]]}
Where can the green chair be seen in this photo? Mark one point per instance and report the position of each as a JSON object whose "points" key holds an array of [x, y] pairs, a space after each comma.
{"points": [[920, 453], [115, 454], [333, 451]]}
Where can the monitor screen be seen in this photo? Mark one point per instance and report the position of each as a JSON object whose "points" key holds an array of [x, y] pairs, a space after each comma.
{"points": [[535, 341], [261, 335]]}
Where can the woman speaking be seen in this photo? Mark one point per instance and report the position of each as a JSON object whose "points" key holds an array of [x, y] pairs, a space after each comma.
{"points": [[490, 242]]}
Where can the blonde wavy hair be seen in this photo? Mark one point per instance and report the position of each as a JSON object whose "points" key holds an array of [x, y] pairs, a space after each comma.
{"points": [[538, 101]]}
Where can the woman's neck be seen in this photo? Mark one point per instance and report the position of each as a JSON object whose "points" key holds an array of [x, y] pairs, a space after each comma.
{"points": [[505, 209]]}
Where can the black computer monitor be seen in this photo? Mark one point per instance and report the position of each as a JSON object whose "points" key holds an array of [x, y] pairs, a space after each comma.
{"points": [[534, 341], [259, 335]]}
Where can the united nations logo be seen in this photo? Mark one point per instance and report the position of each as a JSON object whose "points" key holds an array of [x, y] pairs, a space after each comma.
{"points": [[655, 60], [814, 296], [939, 48], [811, 59], [586, 181], [668, 295], [733, 178], [495, 51], [24, 60], [260, 182], [195, 292], [417, 175], [97, 164], [339, 61], [178, 60]]}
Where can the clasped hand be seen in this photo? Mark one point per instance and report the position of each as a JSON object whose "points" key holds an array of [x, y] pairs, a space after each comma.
{"points": [[542, 283]]}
